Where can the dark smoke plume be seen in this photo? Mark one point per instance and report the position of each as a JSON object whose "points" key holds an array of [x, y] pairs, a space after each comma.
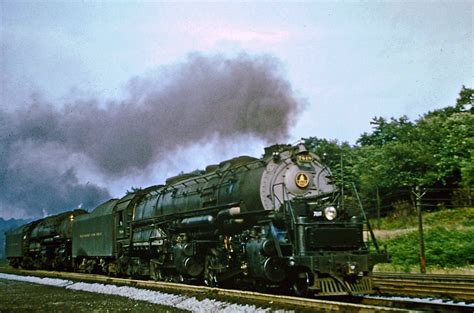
{"points": [[204, 97]]}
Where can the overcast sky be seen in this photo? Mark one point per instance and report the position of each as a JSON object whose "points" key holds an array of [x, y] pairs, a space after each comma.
{"points": [[343, 64]]}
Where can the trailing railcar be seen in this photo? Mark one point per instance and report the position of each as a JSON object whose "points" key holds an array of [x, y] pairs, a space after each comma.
{"points": [[45, 243]]}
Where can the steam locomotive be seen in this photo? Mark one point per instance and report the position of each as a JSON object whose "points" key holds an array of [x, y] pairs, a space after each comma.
{"points": [[272, 223]]}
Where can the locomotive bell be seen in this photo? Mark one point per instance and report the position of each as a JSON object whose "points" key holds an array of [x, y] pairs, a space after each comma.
{"points": [[302, 149]]}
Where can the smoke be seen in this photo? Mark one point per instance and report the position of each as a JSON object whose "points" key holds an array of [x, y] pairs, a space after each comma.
{"points": [[43, 145]]}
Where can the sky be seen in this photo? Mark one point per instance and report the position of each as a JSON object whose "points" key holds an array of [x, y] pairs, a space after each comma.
{"points": [[97, 97]]}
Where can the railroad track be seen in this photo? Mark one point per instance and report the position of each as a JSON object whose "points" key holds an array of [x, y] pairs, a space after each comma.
{"points": [[457, 287], [411, 304], [228, 295], [349, 304]]}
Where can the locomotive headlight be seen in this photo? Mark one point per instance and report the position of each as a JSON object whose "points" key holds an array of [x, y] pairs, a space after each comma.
{"points": [[330, 213]]}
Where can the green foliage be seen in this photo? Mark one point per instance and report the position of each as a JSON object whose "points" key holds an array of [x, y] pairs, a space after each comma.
{"points": [[395, 164], [403, 250], [403, 216], [443, 247], [448, 239], [435, 151], [387, 131], [406, 217], [393, 222], [451, 218], [467, 171], [465, 102], [451, 141], [333, 154]]}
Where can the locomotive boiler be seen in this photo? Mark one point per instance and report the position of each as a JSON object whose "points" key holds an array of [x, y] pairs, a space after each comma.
{"points": [[272, 223]]}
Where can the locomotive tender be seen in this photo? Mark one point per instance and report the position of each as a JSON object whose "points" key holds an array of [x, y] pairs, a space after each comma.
{"points": [[272, 223]]}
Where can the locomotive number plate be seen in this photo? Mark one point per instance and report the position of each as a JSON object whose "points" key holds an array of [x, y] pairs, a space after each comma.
{"points": [[304, 158]]}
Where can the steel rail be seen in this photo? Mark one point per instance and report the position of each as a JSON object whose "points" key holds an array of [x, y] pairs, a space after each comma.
{"points": [[457, 287], [413, 304]]}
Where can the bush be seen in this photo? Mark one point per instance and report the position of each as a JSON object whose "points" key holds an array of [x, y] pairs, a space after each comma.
{"points": [[443, 248], [404, 216], [451, 218]]}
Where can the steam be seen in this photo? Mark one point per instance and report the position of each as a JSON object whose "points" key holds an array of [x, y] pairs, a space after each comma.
{"points": [[42, 146]]}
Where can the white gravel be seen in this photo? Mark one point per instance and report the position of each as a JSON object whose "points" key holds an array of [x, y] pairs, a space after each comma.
{"points": [[177, 301]]}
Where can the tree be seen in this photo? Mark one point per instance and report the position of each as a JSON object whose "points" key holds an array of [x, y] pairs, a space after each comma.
{"points": [[331, 153], [434, 151]]}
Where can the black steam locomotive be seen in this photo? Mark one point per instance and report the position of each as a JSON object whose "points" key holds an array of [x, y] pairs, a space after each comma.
{"points": [[272, 223]]}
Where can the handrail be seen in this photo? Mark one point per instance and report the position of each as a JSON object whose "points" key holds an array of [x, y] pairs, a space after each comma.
{"points": [[372, 236]]}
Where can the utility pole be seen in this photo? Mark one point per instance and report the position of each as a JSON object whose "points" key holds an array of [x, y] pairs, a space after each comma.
{"points": [[421, 238], [342, 183], [378, 208]]}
